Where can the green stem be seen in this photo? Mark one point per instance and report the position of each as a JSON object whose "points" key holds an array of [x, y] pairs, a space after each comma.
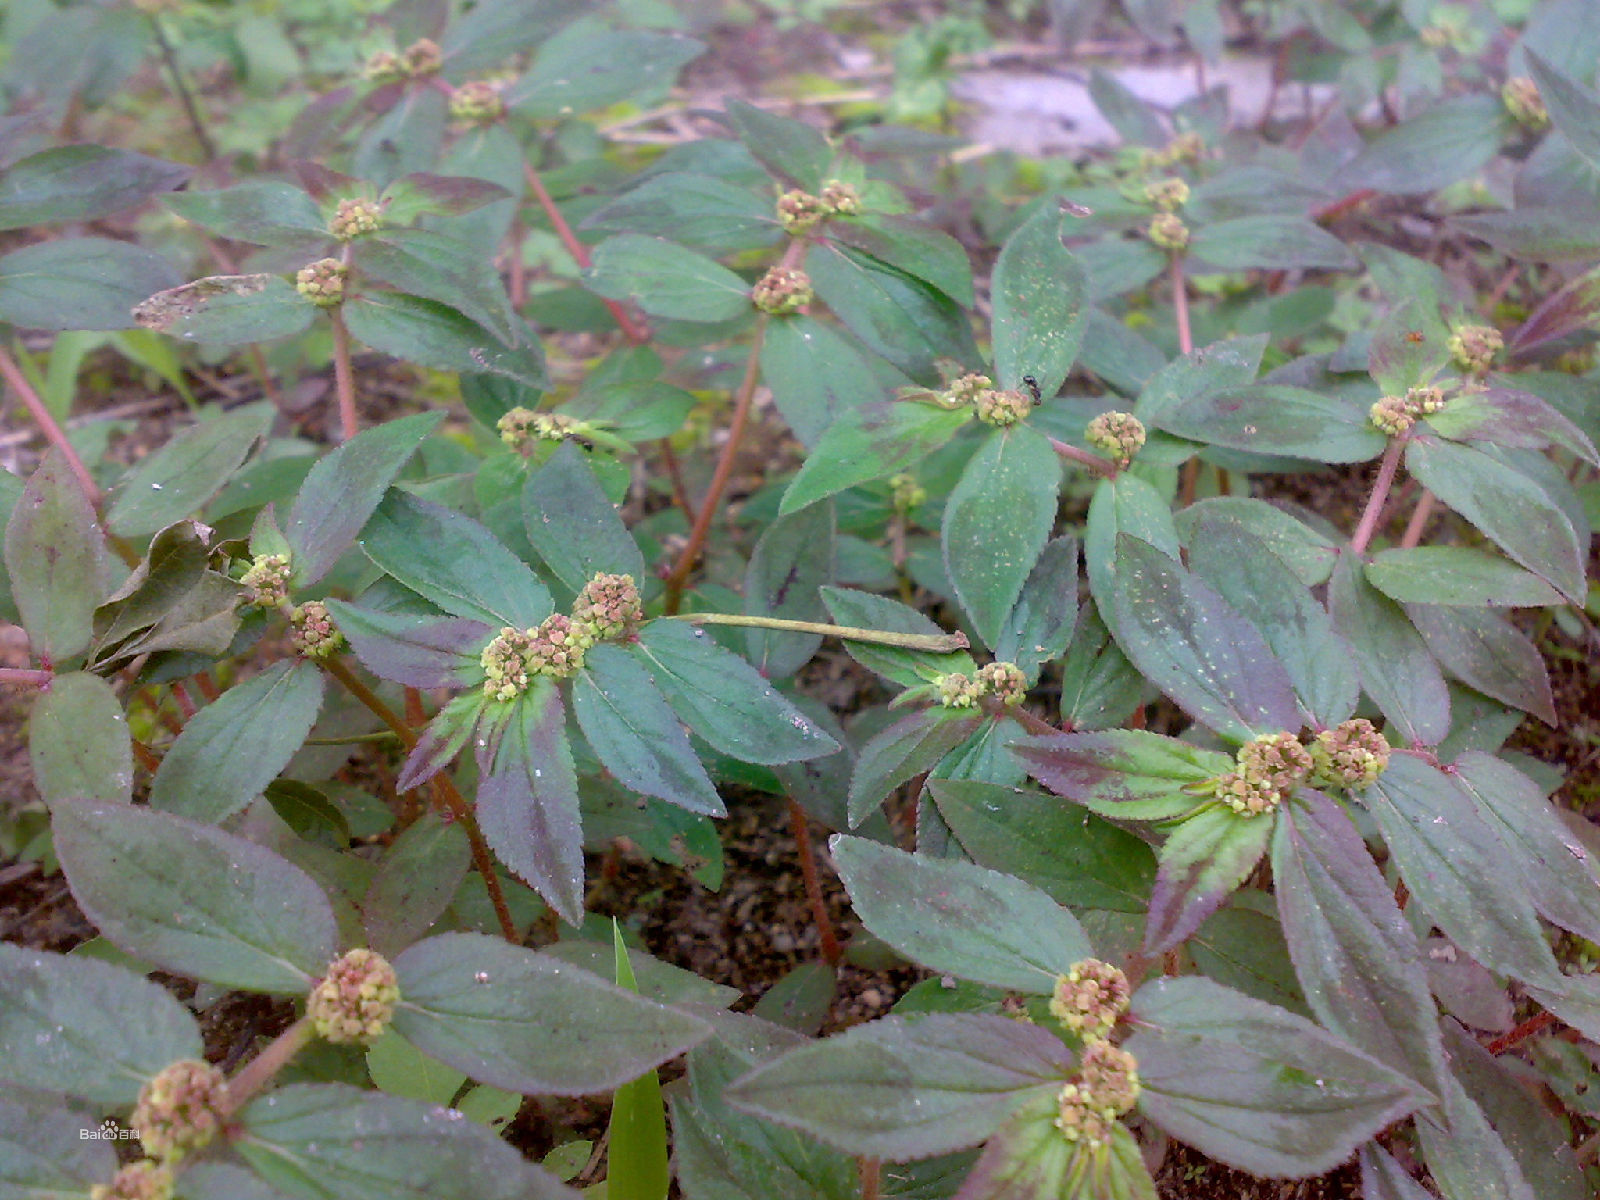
{"points": [[933, 643]]}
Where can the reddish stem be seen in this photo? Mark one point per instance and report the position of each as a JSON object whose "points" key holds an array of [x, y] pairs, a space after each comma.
{"points": [[1336, 209], [1418, 522], [185, 701], [207, 685], [1180, 305], [48, 425], [1380, 494], [832, 952], [870, 1170], [344, 378], [258, 1072], [27, 676], [1090, 462], [1521, 1033]]}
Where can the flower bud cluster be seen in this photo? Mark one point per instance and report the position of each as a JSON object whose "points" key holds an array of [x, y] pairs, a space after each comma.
{"points": [[384, 66], [783, 291], [477, 103], [1168, 231], [322, 282], [1106, 1086], [1268, 769], [1394, 415], [356, 998], [1185, 148], [1350, 755], [180, 1109], [1002, 407], [800, 212], [521, 427], [840, 198], [608, 609], [905, 493], [965, 389], [1168, 194], [1521, 97], [505, 664], [422, 57], [1090, 998], [1002, 680], [142, 1180], [267, 581], [1473, 347], [1117, 435], [957, 690], [355, 217], [312, 633]]}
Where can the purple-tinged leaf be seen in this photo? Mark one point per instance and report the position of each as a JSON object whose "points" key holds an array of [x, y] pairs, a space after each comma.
{"points": [[421, 193], [1254, 1086], [1543, 233], [1396, 668], [442, 740], [343, 490], [1573, 309], [1451, 860], [193, 899], [1574, 109], [1038, 292], [959, 919], [908, 1087], [1507, 417], [81, 183], [1357, 959], [56, 561], [1241, 946], [527, 800], [1126, 774], [1191, 644], [1467, 990], [869, 443], [420, 652], [1200, 864], [910, 746], [1487, 652], [528, 1022], [1409, 347], [1027, 1158], [1270, 418]]}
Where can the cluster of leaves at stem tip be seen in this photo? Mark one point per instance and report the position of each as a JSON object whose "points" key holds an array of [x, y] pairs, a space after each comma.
{"points": [[1205, 826]]}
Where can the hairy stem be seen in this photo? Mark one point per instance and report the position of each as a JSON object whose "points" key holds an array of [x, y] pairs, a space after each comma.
{"points": [[258, 1072], [870, 1169], [445, 789], [1093, 463], [934, 643], [1380, 495], [1418, 522], [349, 423], [11, 372], [832, 952]]}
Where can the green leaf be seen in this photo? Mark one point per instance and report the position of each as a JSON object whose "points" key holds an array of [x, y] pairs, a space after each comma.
{"points": [[959, 919], [1100, 688], [1041, 622], [1213, 1062], [56, 561], [1465, 1155], [635, 734], [47, 1151], [79, 283], [1124, 774], [1451, 860], [1506, 505], [702, 211], [996, 523], [724, 700], [231, 749], [1487, 652], [177, 480], [227, 310], [1264, 590], [1123, 505], [170, 602], [573, 524], [1200, 864], [792, 561], [1271, 242], [81, 183], [263, 211], [1189, 642], [910, 746], [1272, 418], [1456, 575], [578, 73], [422, 193], [1038, 293], [454, 562], [527, 800], [1079, 860], [818, 375], [636, 1163], [64, 1027], [1027, 1156], [912, 246], [901, 1088], [1307, 553], [894, 314], [484, 36], [666, 280], [1241, 946], [416, 880], [78, 741], [908, 668], [1447, 143], [1221, 365], [1574, 109], [438, 267], [1542, 233], [329, 1141], [1396, 668], [1354, 954], [529, 1022], [194, 900], [343, 490], [1382, 1178], [421, 652], [870, 442], [431, 334], [789, 148]]}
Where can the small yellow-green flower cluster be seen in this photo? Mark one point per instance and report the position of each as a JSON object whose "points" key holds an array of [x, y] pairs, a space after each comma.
{"points": [[322, 282], [800, 212], [1168, 231], [1106, 1086], [608, 609], [422, 57], [1002, 680], [1185, 148], [356, 998], [1395, 415], [1090, 998], [477, 103], [384, 66], [1117, 435], [505, 663], [1473, 347], [965, 389], [1350, 755], [142, 1180], [1521, 97], [905, 493], [355, 217], [783, 291], [557, 646], [521, 427], [180, 1109], [1002, 407], [267, 581], [1269, 768], [1168, 194], [311, 631], [840, 198]]}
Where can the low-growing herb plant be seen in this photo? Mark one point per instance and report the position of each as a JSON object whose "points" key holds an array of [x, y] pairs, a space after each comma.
{"points": [[1183, 783]]}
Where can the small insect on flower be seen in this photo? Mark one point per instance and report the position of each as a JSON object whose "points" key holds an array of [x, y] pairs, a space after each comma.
{"points": [[1032, 384]]}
